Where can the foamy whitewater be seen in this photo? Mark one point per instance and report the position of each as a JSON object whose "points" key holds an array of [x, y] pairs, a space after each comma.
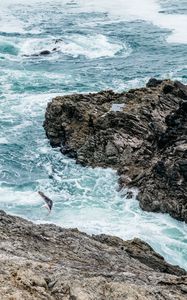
{"points": [[99, 44]]}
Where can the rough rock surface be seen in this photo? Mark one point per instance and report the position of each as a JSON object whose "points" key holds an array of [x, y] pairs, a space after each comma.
{"points": [[141, 133], [49, 262]]}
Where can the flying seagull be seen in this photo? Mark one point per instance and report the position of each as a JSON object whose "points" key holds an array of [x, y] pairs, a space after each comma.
{"points": [[49, 202]]}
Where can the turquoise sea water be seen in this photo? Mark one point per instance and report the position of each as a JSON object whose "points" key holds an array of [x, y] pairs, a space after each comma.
{"points": [[103, 44]]}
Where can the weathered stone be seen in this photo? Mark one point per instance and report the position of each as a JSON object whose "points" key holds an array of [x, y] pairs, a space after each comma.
{"points": [[182, 89], [147, 136], [46, 262], [168, 88], [153, 82]]}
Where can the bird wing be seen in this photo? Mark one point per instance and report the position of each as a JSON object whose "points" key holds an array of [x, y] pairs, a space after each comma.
{"points": [[47, 200]]}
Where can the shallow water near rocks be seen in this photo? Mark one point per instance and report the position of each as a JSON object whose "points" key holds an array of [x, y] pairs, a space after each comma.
{"points": [[100, 46]]}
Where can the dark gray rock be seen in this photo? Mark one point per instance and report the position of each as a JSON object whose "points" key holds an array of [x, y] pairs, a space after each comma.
{"points": [[153, 82], [45, 52], [144, 140]]}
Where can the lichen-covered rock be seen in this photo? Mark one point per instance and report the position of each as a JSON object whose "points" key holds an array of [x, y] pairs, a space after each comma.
{"points": [[141, 133], [49, 262]]}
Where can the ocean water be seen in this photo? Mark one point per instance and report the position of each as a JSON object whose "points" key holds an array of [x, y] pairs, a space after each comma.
{"points": [[101, 44]]}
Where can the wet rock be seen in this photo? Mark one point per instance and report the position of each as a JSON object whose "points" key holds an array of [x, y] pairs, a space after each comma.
{"points": [[153, 82], [49, 262], [45, 52], [42, 53], [184, 106], [182, 89], [168, 88], [147, 136], [160, 168], [68, 152]]}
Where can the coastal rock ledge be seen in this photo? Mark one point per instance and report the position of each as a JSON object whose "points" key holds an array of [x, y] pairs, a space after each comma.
{"points": [[141, 133], [51, 263]]}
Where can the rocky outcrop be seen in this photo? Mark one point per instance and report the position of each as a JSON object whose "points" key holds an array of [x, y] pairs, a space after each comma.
{"points": [[141, 133], [49, 262]]}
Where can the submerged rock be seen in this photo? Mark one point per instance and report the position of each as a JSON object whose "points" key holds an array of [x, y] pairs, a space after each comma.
{"points": [[41, 53], [45, 52], [48, 262], [141, 133]]}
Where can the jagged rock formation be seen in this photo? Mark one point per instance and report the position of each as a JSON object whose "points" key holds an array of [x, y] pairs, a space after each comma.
{"points": [[49, 262], [141, 133]]}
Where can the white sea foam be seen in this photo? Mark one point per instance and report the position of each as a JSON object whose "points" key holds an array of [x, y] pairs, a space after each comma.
{"points": [[9, 23], [93, 46], [16, 198], [129, 84], [147, 10], [33, 46], [29, 106], [3, 140]]}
